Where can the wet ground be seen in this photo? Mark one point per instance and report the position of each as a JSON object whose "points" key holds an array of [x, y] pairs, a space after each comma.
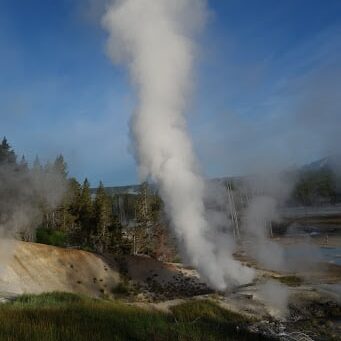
{"points": [[327, 246]]}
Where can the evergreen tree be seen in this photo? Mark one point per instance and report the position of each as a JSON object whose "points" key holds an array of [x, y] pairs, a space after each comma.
{"points": [[15, 192], [53, 177], [314, 186], [117, 244], [49, 220], [62, 218], [23, 166], [7, 154], [102, 219], [86, 212], [142, 206], [71, 204], [73, 197], [37, 167], [60, 166], [142, 233]]}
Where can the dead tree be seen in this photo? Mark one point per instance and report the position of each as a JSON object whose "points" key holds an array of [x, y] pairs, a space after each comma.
{"points": [[233, 211]]}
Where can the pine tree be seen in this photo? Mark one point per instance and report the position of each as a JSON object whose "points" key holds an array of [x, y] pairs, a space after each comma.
{"points": [[60, 166], [59, 169], [86, 212], [142, 233], [73, 197], [72, 212], [52, 175], [23, 166], [37, 167], [15, 192], [7, 154], [143, 211], [38, 177], [102, 219], [117, 244]]}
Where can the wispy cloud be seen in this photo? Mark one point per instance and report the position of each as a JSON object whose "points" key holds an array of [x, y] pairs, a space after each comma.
{"points": [[295, 121]]}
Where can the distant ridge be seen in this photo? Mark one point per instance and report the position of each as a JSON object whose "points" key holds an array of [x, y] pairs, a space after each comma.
{"points": [[333, 161], [316, 165], [114, 190]]}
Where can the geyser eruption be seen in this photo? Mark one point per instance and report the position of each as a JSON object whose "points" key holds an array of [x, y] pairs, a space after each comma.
{"points": [[154, 39]]}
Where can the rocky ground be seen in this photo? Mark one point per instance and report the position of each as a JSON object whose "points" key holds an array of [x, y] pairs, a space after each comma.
{"points": [[312, 298]]}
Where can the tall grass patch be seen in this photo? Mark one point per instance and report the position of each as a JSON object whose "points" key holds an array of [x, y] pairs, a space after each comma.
{"points": [[62, 316]]}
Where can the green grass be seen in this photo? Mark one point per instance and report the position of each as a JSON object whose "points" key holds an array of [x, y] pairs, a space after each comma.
{"points": [[62, 316], [205, 310], [291, 280], [47, 299]]}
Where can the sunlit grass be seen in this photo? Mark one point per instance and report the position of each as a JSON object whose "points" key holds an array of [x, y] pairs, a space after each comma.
{"points": [[290, 280], [62, 316]]}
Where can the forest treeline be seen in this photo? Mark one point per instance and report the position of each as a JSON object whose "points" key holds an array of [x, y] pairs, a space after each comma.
{"points": [[42, 203], [316, 187], [57, 209]]}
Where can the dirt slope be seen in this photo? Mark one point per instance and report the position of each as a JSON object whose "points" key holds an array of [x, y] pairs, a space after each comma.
{"points": [[36, 268]]}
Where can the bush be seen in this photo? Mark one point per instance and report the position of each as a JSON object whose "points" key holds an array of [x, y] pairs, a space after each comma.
{"points": [[205, 310], [291, 280], [47, 299], [50, 237], [121, 289]]}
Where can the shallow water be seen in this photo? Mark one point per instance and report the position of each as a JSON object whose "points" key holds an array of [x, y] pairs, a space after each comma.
{"points": [[312, 253], [331, 255], [314, 243]]}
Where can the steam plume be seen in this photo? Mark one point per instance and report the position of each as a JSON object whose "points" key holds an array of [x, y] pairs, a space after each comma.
{"points": [[154, 39], [22, 191]]}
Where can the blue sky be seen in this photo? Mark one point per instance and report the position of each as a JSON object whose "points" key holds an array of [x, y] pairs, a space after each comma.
{"points": [[268, 82]]}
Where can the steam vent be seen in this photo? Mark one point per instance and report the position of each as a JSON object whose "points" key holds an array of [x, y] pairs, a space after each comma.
{"points": [[170, 170]]}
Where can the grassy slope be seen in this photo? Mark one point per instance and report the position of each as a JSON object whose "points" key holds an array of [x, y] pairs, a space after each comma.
{"points": [[61, 316]]}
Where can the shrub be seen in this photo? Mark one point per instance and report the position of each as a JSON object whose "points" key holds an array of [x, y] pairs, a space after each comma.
{"points": [[206, 310], [50, 237], [50, 298], [121, 289], [290, 280]]}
